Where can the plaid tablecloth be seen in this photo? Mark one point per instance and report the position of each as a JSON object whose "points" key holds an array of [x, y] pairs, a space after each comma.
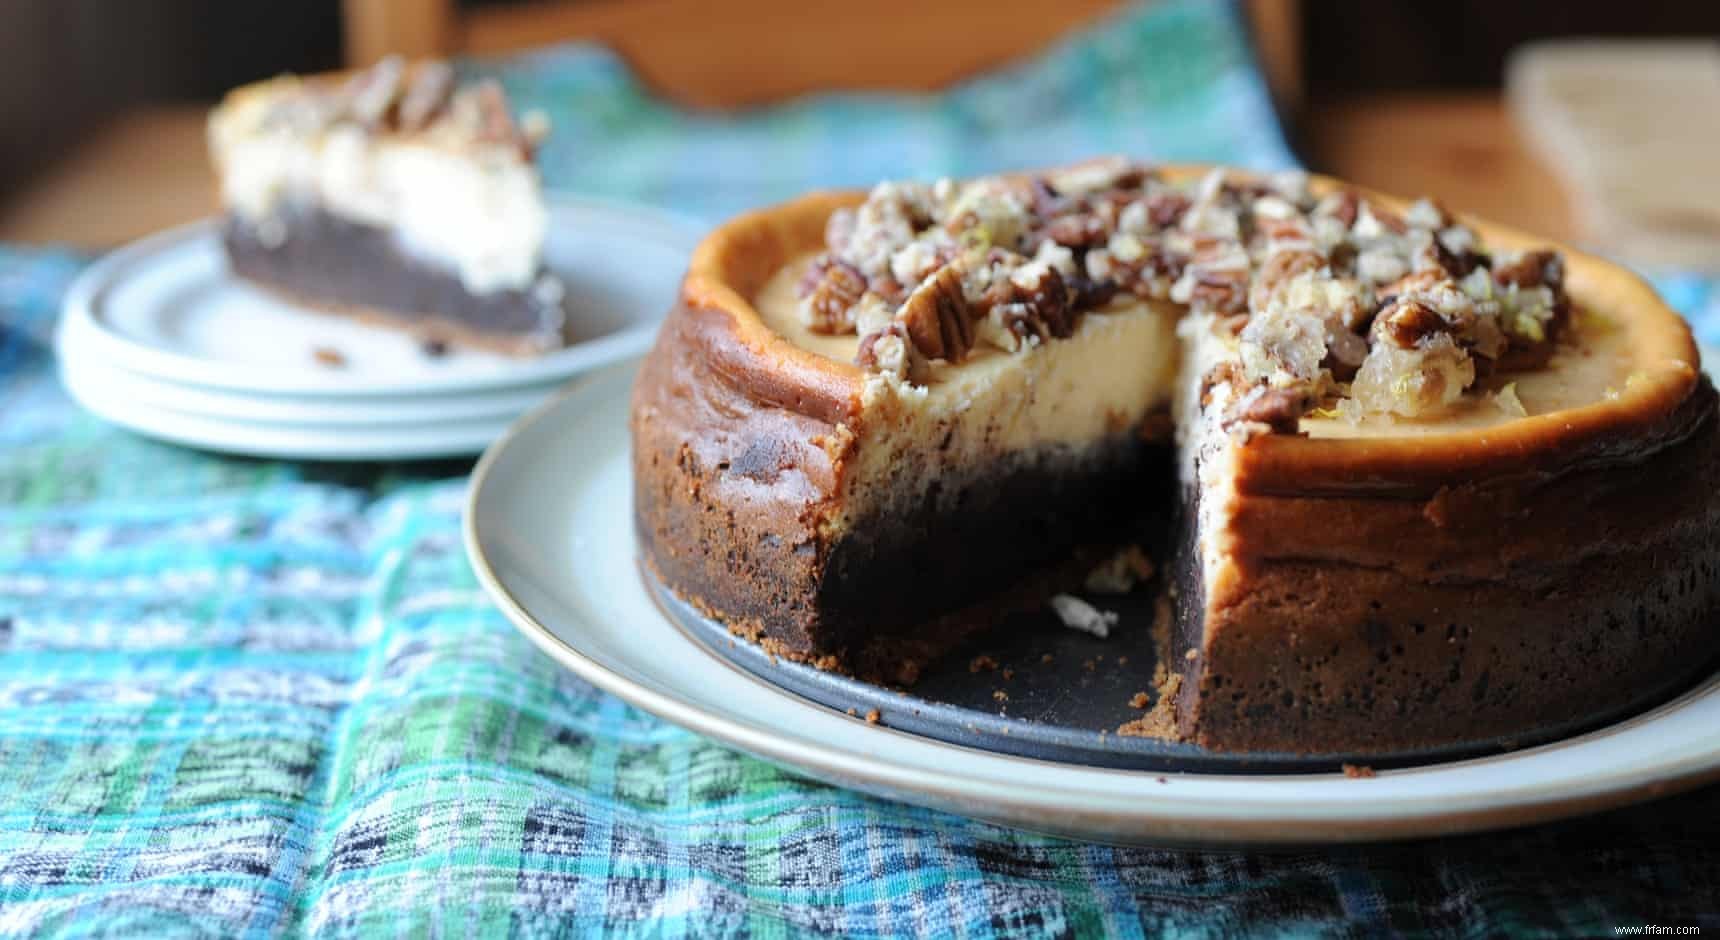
{"points": [[241, 697]]}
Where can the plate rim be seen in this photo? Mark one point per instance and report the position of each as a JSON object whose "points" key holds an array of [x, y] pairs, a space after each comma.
{"points": [[352, 444], [1194, 824], [391, 413], [84, 294]]}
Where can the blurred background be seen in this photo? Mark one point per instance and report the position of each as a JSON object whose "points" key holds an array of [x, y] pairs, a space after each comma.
{"points": [[102, 103]]}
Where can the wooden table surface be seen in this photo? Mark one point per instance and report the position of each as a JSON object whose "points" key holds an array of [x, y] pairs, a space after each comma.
{"points": [[149, 170]]}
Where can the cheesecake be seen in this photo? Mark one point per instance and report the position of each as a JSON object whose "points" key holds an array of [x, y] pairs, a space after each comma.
{"points": [[1428, 481], [396, 195]]}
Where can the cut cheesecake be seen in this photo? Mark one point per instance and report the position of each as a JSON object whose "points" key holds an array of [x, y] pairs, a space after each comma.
{"points": [[393, 195], [1425, 495]]}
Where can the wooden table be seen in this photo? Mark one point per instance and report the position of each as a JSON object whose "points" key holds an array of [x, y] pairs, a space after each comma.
{"points": [[149, 170]]}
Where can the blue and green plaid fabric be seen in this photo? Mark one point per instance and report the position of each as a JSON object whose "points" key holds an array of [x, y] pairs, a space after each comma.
{"points": [[244, 697]]}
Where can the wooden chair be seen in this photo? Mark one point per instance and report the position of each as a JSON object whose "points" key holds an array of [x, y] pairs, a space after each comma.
{"points": [[738, 53]]}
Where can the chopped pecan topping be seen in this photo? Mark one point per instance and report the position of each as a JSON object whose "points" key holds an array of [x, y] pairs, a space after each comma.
{"points": [[496, 122], [1222, 292], [1533, 269], [1331, 295], [1280, 409], [1408, 322], [889, 350], [1040, 301], [829, 290], [1228, 372], [1343, 206], [1089, 294], [1165, 210], [427, 95], [370, 94], [937, 317], [1078, 231], [1279, 269]]}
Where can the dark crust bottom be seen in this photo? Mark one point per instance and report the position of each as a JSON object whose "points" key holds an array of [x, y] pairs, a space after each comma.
{"points": [[341, 267]]}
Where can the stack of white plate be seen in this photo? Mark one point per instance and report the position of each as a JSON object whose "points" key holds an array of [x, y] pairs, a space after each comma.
{"points": [[160, 337]]}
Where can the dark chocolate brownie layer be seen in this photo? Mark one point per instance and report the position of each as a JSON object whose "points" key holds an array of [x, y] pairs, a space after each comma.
{"points": [[347, 267]]}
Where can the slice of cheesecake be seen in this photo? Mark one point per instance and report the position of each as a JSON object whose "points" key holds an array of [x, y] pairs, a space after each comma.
{"points": [[394, 195], [1433, 484]]}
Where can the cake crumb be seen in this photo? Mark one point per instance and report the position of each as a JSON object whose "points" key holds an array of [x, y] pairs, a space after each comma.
{"points": [[1161, 721], [853, 713], [328, 356], [1047, 659], [1077, 614], [1358, 771], [1192, 654], [872, 717], [1008, 674], [982, 662], [1120, 573], [1122, 660], [999, 695], [1088, 665], [1162, 780], [1140, 700]]}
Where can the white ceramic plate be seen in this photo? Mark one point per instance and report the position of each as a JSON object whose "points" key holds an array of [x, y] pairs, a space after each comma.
{"points": [[81, 362], [424, 439], [549, 529], [167, 307]]}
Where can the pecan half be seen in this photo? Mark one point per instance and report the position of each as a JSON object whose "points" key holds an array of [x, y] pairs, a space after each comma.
{"points": [[1408, 322], [1089, 294], [1280, 409], [829, 290], [1533, 269], [1045, 296], [1166, 209], [1343, 206], [937, 318], [1222, 292], [1078, 231]]}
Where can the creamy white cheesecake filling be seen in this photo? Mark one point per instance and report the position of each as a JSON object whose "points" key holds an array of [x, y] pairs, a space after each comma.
{"points": [[1122, 363], [476, 211], [1072, 393]]}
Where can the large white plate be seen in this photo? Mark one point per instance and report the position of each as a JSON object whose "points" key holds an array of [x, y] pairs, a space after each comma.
{"points": [[167, 307], [549, 529]]}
